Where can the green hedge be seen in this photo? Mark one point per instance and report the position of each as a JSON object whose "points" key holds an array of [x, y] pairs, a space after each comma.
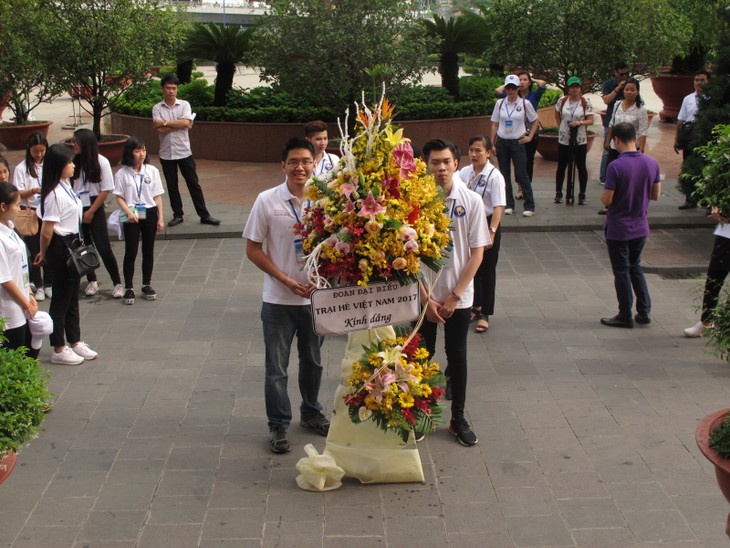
{"points": [[265, 104]]}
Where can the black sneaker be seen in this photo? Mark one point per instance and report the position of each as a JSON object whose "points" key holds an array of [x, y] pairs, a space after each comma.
{"points": [[460, 429], [277, 440], [318, 423], [149, 293], [558, 198], [128, 296], [419, 436]]}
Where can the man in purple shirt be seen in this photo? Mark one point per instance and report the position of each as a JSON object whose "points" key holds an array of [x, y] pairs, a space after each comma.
{"points": [[631, 182]]}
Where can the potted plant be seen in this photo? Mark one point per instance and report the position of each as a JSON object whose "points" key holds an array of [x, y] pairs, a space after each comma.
{"points": [[24, 69], [547, 145], [23, 397]]}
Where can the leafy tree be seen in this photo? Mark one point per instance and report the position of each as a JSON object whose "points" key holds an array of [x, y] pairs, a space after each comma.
{"points": [[464, 33], [701, 26], [105, 45], [25, 58], [319, 49], [226, 45], [561, 38]]}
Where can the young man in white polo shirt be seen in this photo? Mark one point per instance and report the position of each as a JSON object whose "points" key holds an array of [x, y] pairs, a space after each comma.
{"points": [[286, 309], [453, 292], [684, 128], [171, 119]]}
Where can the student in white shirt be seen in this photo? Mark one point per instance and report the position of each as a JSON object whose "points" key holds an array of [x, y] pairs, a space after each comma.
{"points": [[61, 210], [316, 133], [452, 293], [16, 299], [27, 179], [93, 181], [139, 191], [685, 130]]}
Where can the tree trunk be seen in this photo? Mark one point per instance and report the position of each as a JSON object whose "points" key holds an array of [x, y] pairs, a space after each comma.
{"points": [[449, 66], [223, 82], [185, 71]]}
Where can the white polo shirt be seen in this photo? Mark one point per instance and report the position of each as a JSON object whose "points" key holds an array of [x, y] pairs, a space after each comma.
{"points": [[87, 190], [326, 164], [468, 230], [688, 110], [138, 188], [13, 267], [488, 183], [511, 117], [62, 207], [271, 222], [23, 181], [176, 144]]}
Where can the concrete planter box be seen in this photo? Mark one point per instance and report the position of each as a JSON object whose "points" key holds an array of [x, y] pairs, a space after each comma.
{"points": [[249, 142]]}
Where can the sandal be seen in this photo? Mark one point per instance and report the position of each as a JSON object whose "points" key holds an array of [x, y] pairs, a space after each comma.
{"points": [[482, 324], [475, 314]]}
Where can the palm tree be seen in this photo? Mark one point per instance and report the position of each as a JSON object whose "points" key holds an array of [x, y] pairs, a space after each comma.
{"points": [[226, 45], [465, 33]]}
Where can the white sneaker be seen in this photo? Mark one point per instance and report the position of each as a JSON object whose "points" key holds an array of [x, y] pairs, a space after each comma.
{"points": [[508, 211], [82, 349], [528, 213], [697, 329], [92, 289], [49, 292], [66, 357], [118, 291], [40, 295]]}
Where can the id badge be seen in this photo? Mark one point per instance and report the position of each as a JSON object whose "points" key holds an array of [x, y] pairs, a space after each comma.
{"points": [[141, 211], [26, 276], [85, 198], [299, 250], [508, 125]]}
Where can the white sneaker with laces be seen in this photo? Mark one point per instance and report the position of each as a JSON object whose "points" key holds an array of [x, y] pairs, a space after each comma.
{"points": [[49, 292], [40, 295], [92, 289], [66, 357], [697, 329], [82, 349], [118, 291], [528, 213], [508, 211]]}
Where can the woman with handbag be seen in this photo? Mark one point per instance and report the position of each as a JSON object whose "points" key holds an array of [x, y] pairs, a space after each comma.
{"points": [[93, 181], [27, 179], [61, 213]]}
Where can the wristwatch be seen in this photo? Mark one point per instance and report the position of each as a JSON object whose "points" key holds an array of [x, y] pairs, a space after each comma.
{"points": [[164, 123]]}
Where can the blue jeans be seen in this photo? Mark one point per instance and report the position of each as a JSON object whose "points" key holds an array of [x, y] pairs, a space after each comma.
{"points": [[625, 258], [281, 324], [510, 150]]}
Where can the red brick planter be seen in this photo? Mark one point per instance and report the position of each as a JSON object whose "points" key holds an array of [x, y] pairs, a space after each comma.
{"points": [[15, 137]]}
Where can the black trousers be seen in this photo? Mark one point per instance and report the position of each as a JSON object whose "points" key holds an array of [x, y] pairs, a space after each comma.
{"points": [[485, 281], [64, 309], [97, 233], [147, 230], [716, 273], [530, 150], [581, 152], [187, 168], [18, 337]]}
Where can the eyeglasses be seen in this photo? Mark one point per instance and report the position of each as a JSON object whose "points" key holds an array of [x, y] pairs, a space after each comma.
{"points": [[297, 163]]}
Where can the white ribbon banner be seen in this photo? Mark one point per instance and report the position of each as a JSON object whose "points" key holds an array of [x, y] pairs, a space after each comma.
{"points": [[353, 308]]}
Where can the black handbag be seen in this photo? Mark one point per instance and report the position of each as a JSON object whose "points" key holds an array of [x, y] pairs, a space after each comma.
{"points": [[82, 259]]}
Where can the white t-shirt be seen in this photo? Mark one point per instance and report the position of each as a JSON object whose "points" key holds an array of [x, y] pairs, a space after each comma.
{"points": [[23, 181], [271, 222], [138, 188], [62, 207], [573, 111], [723, 229], [688, 110], [468, 230], [87, 190], [326, 164], [511, 117], [488, 183], [13, 267]]}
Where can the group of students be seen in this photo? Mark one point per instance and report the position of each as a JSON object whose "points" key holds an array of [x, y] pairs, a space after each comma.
{"points": [[65, 188]]}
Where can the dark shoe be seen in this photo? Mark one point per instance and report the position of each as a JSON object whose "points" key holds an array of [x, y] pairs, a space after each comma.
{"points": [[419, 436], [482, 324], [277, 440], [581, 199], [149, 293], [128, 296], [558, 198], [460, 429], [175, 221], [603, 212], [318, 423], [687, 205], [448, 394], [209, 221], [617, 321], [642, 318]]}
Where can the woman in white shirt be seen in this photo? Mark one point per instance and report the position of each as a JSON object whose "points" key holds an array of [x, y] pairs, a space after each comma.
{"points": [[61, 215], [93, 181], [16, 299], [139, 191], [27, 179]]}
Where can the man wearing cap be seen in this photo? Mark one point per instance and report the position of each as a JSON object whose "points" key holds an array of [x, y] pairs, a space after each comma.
{"points": [[510, 119]]}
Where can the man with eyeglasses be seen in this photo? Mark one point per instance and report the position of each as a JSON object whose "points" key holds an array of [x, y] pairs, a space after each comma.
{"points": [[613, 92], [286, 310]]}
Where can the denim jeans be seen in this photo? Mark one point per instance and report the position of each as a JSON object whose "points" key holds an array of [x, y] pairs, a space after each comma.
{"points": [[512, 151], [281, 324], [625, 258]]}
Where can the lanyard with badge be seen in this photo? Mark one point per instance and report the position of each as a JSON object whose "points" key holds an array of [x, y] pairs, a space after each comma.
{"points": [[140, 206], [325, 165], [73, 196], [509, 123], [298, 241]]}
